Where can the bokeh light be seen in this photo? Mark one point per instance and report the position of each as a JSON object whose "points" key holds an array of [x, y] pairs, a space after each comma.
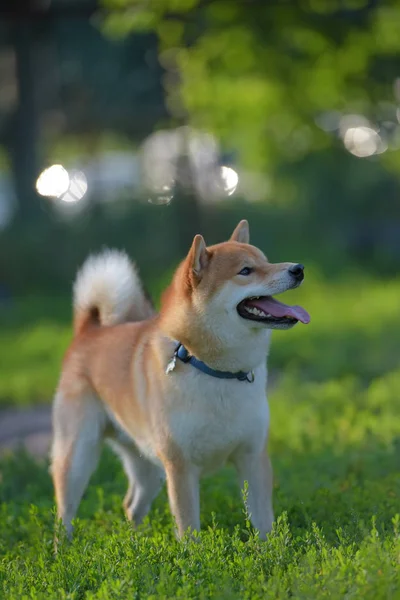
{"points": [[362, 141], [56, 182], [360, 137], [77, 188], [230, 180], [53, 182]]}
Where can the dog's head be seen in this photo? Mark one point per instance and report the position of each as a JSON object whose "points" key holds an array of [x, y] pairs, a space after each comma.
{"points": [[228, 290], [235, 281]]}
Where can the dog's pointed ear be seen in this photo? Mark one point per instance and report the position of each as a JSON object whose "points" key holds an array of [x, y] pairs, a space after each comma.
{"points": [[241, 233], [199, 256]]}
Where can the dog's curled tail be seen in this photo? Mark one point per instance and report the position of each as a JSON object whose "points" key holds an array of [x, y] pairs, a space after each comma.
{"points": [[108, 291]]}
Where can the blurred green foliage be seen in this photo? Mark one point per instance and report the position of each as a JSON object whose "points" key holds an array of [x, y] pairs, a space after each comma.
{"points": [[260, 76], [257, 74]]}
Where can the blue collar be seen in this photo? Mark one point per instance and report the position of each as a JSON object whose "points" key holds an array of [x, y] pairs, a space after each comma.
{"points": [[185, 357]]}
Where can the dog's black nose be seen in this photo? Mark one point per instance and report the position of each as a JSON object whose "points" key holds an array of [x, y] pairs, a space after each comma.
{"points": [[297, 271]]}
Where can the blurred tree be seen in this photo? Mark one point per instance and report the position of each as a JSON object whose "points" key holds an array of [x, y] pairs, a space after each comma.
{"points": [[21, 128], [259, 73], [70, 79]]}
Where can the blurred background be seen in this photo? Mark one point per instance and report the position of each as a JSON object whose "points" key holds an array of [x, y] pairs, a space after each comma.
{"points": [[137, 124]]}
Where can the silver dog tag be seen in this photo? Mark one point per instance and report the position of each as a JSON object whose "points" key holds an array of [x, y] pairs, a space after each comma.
{"points": [[171, 365]]}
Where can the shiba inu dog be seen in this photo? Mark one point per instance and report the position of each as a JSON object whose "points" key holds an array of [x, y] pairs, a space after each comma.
{"points": [[176, 393]]}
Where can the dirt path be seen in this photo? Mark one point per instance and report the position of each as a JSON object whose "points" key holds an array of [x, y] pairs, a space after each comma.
{"points": [[29, 429]]}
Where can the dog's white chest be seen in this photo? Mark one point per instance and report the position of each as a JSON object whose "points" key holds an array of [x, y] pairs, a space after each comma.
{"points": [[211, 419]]}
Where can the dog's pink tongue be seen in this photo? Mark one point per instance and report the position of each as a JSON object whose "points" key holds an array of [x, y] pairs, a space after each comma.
{"points": [[278, 309]]}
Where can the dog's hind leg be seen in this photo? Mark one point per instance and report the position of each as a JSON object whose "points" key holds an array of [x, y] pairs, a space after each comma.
{"points": [[78, 426], [145, 480]]}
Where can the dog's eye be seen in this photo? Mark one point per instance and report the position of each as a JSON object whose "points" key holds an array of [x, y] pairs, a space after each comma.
{"points": [[245, 271]]}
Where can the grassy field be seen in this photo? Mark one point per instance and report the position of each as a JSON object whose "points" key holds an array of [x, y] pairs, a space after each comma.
{"points": [[335, 443]]}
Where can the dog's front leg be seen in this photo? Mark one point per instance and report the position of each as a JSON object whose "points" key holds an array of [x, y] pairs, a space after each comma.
{"points": [[257, 471], [183, 493]]}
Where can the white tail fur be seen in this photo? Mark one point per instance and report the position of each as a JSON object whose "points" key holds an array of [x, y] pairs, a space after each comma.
{"points": [[108, 290]]}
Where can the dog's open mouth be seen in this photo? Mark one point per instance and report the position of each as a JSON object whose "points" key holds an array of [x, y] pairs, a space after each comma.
{"points": [[268, 310]]}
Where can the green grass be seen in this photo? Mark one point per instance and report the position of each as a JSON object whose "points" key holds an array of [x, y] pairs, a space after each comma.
{"points": [[335, 444], [336, 453]]}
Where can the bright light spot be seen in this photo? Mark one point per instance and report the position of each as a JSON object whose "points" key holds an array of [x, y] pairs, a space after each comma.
{"points": [[77, 188], [230, 180], [56, 182], [53, 182], [363, 141]]}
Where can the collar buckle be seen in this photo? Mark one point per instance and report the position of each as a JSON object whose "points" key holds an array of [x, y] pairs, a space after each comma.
{"points": [[250, 376]]}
